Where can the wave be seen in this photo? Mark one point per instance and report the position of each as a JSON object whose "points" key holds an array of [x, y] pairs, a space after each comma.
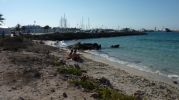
{"points": [[132, 65], [56, 43], [62, 44]]}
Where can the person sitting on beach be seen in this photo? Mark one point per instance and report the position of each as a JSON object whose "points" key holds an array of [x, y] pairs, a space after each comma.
{"points": [[70, 54], [75, 56]]}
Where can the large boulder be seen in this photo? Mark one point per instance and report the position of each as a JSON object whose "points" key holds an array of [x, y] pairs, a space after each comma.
{"points": [[86, 46]]}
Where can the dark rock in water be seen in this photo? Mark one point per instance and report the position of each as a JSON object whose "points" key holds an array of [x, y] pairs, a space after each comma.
{"points": [[86, 46], [65, 95], [115, 46], [168, 30], [175, 82]]}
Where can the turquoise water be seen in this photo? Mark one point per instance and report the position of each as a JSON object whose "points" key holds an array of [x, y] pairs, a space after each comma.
{"points": [[157, 52]]}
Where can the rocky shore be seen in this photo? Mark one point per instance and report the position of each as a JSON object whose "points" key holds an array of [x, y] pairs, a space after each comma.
{"points": [[41, 72]]}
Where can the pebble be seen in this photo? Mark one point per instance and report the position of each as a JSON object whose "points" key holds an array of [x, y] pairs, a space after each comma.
{"points": [[52, 90], [13, 88], [162, 87], [94, 95], [21, 98], [65, 95], [139, 94], [175, 82]]}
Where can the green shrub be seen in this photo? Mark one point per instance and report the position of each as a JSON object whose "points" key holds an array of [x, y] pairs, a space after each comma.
{"points": [[69, 70], [55, 61], [105, 93], [101, 87], [86, 84]]}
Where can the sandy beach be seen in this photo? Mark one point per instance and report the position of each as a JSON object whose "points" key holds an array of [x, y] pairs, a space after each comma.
{"points": [[29, 75], [130, 80]]}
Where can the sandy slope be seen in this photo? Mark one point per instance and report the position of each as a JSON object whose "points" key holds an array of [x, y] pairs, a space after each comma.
{"points": [[29, 75], [130, 83]]}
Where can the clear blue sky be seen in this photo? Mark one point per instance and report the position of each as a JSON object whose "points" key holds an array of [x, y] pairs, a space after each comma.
{"points": [[109, 13]]}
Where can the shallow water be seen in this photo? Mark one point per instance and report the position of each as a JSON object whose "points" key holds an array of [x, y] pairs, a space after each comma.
{"points": [[157, 52]]}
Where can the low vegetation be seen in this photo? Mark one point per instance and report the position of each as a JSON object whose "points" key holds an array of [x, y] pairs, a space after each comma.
{"points": [[86, 83], [14, 43], [101, 92], [101, 88], [70, 70], [105, 93]]}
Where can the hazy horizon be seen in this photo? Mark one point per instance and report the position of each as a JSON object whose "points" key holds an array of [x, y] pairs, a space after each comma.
{"points": [[106, 13]]}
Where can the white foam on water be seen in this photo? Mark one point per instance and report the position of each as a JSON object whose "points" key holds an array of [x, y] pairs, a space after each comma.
{"points": [[132, 65], [56, 43]]}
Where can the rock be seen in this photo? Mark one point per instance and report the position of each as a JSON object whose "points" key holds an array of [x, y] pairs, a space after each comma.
{"points": [[14, 88], [83, 71], [21, 98], [162, 87], [86, 46], [95, 95], [115, 46], [37, 74], [62, 62], [105, 81], [52, 90], [175, 82], [65, 95], [139, 95], [152, 84], [76, 66]]}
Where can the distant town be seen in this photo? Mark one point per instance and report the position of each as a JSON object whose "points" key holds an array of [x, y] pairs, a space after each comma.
{"points": [[35, 29]]}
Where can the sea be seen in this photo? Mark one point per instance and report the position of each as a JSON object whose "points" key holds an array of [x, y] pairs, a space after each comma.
{"points": [[156, 52]]}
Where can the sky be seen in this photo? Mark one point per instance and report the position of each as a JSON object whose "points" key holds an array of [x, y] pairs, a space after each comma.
{"points": [[134, 14]]}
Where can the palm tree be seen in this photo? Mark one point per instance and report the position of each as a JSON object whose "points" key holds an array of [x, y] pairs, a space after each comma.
{"points": [[18, 28], [23, 28], [46, 28], [1, 19]]}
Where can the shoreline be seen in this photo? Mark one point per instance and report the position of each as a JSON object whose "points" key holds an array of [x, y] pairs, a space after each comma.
{"points": [[32, 73], [132, 71], [129, 80]]}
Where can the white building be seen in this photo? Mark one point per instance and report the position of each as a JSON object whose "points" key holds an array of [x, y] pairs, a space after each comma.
{"points": [[33, 29]]}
